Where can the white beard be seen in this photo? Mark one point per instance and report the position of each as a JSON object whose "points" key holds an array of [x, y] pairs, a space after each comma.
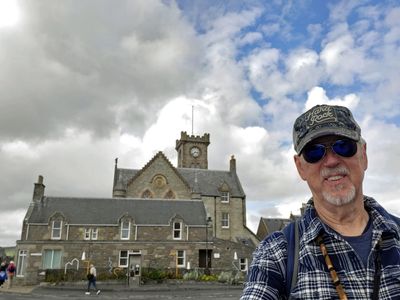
{"points": [[340, 200]]}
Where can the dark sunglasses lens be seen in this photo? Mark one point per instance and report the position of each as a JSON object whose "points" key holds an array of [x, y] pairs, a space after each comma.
{"points": [[345, 148], [314, 153]]}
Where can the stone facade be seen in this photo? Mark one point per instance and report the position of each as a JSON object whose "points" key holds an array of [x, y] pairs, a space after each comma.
{"points": [[160, 216]]}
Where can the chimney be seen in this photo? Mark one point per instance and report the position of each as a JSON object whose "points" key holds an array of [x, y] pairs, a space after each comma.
{"points": [[38, 191], [232, 165]]}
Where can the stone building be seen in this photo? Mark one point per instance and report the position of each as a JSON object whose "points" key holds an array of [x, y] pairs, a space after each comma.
{"points": [[266, 226], [159, 216]]}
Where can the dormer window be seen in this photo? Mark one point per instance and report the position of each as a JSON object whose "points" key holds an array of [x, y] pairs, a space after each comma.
{"points": [[177, 231], [224, 197], [56, 230], [125, 230]]}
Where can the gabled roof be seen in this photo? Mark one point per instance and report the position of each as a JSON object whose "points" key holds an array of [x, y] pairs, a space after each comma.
{"points": [[102, 211], [159, 155], [203, 181]]}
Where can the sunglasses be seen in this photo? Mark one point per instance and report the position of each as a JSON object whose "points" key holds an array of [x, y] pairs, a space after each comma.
{"points": [[315, 152]]}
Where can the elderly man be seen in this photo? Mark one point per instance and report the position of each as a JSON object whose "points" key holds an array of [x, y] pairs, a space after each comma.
{"points": [[348, 245]]}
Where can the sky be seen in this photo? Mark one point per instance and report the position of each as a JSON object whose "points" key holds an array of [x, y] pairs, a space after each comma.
{"points": [[85, 82]]}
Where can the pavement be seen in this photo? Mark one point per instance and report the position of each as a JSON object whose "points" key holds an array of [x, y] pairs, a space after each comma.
{"points": [[118, 286]]}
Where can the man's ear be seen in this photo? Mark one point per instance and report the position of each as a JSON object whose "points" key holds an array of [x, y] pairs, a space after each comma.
{"points": [[300, 166], [364, 156]]}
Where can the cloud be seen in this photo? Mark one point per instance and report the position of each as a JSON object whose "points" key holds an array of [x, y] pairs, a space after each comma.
{"points": [[87, 63], [80, 87], [317, 95]]}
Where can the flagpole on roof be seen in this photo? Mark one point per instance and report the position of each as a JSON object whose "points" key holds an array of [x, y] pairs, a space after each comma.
{"points": [[192, 118]]}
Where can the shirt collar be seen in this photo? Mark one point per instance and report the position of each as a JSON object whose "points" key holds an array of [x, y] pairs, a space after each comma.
{"points": [[382, 221]]}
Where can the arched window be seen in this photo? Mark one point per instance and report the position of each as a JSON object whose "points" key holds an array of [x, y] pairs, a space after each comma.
{"points": [[169, 195], [147, 194]]}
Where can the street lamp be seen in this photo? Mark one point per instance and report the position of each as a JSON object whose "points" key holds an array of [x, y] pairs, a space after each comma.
{"points": [[207, 270]]}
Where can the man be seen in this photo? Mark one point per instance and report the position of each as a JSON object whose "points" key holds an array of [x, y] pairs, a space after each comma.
{"points": [[349, 246]]}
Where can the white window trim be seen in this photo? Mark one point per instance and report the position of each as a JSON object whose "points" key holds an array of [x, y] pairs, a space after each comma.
{"points": [[95, 234], [87, 234], [54, 228], [243, 266], [21, 263], [52, 251], [127, 256], [225, 197], [177, 230], [183, 265], [122, 230], [222, 220]]}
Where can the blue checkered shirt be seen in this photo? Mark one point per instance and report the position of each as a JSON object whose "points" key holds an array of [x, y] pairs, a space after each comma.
{"points": [[267, 274]]}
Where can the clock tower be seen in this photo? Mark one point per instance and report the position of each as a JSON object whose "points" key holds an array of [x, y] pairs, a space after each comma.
{"points": [[192, 151]]}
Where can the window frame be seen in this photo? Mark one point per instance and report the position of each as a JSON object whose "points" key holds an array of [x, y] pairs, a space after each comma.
{"points": [[91, 234], [225, 197], [123, 229], [123, 258], [243, 264], [53, 266], [95, 234], [179, 230], [87, 234], [225, 221], [54, 229], [21, 263], [180, 257]]}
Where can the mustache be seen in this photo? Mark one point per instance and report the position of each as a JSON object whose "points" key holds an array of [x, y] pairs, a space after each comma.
{"points": [[340, 170]]}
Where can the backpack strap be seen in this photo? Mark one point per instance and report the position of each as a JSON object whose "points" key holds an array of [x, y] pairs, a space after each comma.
{"points": [[291, 232]]}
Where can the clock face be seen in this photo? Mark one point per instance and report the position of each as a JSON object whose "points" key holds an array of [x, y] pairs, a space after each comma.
{"points": [[195, 152]]}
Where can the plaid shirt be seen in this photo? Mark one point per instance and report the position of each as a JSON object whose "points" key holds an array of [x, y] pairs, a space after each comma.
{"points": [[267, 275]]}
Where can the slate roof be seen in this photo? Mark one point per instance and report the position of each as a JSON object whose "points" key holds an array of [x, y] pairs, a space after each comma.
{"points": [[275, 224], [108, 211], [208, 181]]}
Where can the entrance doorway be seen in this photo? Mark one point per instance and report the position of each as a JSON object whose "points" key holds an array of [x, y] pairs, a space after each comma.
{"points": [[134, 269], [205, 260]]}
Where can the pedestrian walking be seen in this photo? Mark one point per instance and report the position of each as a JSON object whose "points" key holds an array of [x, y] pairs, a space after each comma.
{"points": [[91, 276], [10, 274]]}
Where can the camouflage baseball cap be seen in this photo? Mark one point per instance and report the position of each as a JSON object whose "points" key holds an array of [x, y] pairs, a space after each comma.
{"points": [[322, 120]]}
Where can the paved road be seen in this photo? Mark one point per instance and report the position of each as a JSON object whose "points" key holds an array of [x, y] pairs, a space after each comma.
{"points": [[43, 293]]}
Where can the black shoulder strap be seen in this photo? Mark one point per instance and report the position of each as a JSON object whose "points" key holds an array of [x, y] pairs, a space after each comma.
{"points": [[291, 232]]}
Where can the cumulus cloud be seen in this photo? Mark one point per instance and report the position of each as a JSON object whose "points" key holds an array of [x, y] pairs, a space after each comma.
{"points": [[80, 87]]}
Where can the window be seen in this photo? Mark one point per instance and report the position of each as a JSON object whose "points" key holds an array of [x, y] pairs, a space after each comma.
{"points": [[180, 258], [125, 230], [177, 230], [56, 230], [87, 233], [225, 197], [21, 263], [169, 195], [91, 233], [147, 194], [52, 259], [225, 220], [243, 264], [94, 233], [123, 258]]}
